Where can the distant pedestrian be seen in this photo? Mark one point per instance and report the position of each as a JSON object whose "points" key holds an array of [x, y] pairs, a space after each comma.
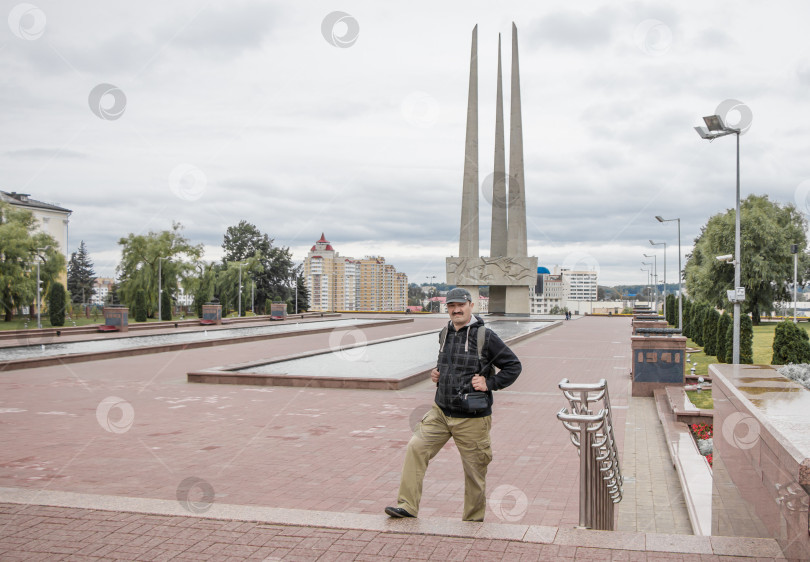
{"points": [[465, 379]]}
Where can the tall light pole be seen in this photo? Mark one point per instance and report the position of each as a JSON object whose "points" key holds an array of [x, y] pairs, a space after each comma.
{"points": [[655, 268], [715, 128], [794, 249], [665, 271], [649, 279], [431, 278], [160, 287], [680, 273], [239, 310], [39, 288]]}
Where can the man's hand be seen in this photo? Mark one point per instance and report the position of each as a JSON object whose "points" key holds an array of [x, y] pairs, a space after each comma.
{"points": [[434, 375], [479, 383]]}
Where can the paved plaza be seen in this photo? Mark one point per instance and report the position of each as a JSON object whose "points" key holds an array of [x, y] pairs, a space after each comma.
{"points": [[126, 456]]}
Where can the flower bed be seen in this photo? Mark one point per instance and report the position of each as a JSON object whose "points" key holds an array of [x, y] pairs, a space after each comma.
{"points": [[703, 434]]}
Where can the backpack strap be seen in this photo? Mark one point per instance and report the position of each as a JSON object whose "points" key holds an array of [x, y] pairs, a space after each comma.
{"points": [[482, 342], [442, 338]]}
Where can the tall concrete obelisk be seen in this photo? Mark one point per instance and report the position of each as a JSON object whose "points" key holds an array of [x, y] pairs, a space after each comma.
{"points": [[498, 234], [516, 296], [508, 271], [468, 235]]}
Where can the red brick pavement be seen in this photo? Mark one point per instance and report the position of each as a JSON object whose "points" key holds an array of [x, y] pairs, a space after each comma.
{"points": [[55, 533], [295, 448], [319, 449]]}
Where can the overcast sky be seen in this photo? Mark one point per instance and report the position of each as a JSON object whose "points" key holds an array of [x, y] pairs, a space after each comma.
{"points": [[269, 112]]}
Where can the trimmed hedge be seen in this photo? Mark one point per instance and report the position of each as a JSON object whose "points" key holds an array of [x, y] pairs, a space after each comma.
{"points": [[790, 344]]}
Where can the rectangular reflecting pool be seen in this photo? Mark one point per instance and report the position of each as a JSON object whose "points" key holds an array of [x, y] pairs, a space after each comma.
{"points": [[353, 362], [121, 343]]}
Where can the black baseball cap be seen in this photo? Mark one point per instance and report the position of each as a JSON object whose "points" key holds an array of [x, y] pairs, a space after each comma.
{"points": [[458, 295]]}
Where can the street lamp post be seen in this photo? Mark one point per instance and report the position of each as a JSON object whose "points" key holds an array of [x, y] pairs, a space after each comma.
{"points": [[239, 308], [39, 288], [655, 268], [649, 276], [680, 273], [665, 271], [794, 249], [160, 288], [715, 128]]}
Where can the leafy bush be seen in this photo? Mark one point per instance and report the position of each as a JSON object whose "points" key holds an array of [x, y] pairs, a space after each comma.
{"points": [[722, 328], [56, 304], [790, 344], [746, 340], [165, 306], [710, 332], [139, 306], [698, 317]]}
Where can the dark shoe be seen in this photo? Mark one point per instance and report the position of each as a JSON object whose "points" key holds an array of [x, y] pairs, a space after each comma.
{"points": [[397, 512]]}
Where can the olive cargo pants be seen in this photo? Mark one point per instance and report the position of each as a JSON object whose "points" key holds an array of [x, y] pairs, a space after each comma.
{"points": [[471, 436]]}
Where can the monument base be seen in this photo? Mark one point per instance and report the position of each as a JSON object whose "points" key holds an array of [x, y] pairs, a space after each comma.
{"points": [[497, 299], [517, 301]]}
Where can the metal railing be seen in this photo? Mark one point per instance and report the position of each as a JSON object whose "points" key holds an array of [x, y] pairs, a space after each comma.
{"points": [[600, 477]]}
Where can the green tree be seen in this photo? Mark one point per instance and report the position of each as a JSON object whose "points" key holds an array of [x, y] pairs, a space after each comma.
{"points": [[710, 332], [746, 340], [303, 294], [21, 247], [166, 306], [139, 304], [56, 304], [687, 318], [139, 266], [722, 329], [790, 344], [81, 278], [277, 270], [696, 329], [767, 231], [730, 341]]}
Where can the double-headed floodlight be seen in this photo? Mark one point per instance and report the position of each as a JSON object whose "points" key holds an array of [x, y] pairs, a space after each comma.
{"points": [[715, 128], [729, 258]]}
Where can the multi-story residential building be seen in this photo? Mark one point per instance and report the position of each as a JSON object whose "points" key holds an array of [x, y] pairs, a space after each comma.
{"points": [[51, 219], [337, 282], [550, 291], [582, 285], [102, 288]]}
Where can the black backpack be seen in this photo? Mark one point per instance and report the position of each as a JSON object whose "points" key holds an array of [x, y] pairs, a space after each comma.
{"points": [[481, 341]]}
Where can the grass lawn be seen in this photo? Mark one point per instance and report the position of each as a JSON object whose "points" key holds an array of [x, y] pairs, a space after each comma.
{"points": [[702, 399], [20, 323], [763, 353]]}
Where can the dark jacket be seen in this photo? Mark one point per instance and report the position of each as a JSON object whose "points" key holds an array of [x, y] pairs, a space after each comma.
{"points": [[458, 362]]}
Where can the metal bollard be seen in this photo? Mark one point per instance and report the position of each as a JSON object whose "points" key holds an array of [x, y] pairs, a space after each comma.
{"points": [[600, 480]]}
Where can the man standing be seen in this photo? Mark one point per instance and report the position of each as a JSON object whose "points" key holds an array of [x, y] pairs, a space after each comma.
{"points": [[464, 381]]}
